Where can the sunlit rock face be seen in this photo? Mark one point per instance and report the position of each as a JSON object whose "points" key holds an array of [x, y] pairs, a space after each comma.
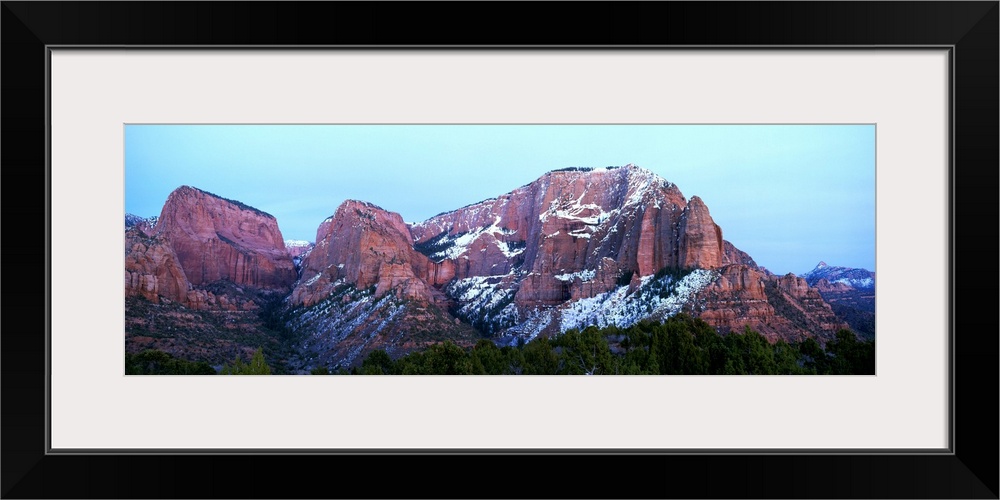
{"points": [[201, 239], [364, 246], [219, 239], [530, 256], [570, 221]]}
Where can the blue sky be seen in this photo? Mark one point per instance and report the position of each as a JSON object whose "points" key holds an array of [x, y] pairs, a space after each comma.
{"points": [[789, 195]]}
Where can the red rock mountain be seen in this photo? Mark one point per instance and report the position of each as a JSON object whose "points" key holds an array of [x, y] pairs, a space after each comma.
{"points": [[365, 246], [622, 220], [574, 247], [570, 221], [200, 239], [779, 307], [151, 268], [218, 239], [573, 218], [364, 287]]}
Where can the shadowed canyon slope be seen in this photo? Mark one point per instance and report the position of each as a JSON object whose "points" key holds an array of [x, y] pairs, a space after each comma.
{"points": [[201, 279]]}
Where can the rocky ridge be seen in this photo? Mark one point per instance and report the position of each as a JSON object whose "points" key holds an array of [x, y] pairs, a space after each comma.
{"points": [[856, 278], [850, 292], [202, 279], [200, 239], [575, 247]]}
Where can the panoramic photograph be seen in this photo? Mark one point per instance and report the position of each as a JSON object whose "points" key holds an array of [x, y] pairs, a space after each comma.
{"points": [[499, 249]]}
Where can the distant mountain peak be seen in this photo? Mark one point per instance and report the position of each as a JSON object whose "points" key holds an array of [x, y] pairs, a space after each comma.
{"points": [[628, 168], [854, 277]]}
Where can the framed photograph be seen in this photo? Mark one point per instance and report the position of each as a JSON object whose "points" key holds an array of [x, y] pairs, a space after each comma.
{"points": [[573, 270], [179, 101]]}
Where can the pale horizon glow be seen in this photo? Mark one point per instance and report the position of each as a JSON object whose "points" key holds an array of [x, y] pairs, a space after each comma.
{"points": [[788, 195]]}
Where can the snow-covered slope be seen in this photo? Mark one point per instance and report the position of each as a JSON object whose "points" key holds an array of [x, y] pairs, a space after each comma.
{"points": [[853, 277]]}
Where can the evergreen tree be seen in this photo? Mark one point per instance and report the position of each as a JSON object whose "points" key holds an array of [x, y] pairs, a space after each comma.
{"points": [[378, 363], [257, 366], [540, 358], [585, 352], [155, 362], [447, 359], [850, 356], [813, 357], [488, 359]]}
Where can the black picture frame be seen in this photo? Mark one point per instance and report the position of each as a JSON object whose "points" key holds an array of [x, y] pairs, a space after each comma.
{"points": [[969, 28]]}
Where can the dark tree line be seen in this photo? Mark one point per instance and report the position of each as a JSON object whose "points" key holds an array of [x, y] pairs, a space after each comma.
{"points": [[681, 345], [156, 362]]}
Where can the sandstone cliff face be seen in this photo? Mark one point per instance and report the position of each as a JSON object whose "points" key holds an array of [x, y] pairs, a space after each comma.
{"points": [[572, 246], [364, 246], [200, 239], [733, 255], [152, 269], [818, 316], [570, 235], [571, 221], [565, 220], [779, 307], [700, 238], [575, 247], [736, 299], [363, 287], [217, 239]]}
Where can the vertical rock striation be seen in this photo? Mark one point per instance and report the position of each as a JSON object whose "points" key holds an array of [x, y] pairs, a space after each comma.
{"points": [[200, 239]]}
